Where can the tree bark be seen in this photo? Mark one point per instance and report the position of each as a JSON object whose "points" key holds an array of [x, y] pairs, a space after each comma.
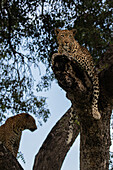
{"points": [[95, 135], [57, 144], [7, 160], [95, 142]]}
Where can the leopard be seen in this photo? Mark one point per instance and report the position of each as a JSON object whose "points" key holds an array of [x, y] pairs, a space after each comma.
{"points": [[11, 131], [71, 47]]}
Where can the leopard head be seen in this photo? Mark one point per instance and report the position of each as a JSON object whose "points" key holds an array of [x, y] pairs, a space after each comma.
{"points": [[30, 122], [66, 39], [23, 121]]}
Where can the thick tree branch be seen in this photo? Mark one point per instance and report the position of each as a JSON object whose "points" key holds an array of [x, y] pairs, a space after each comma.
{"points": [[53, 151], [73, 80], [76, 82]]}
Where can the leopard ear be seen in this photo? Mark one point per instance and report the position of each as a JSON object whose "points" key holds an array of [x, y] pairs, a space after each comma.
{"points": [[57, 31], [74, 31]]}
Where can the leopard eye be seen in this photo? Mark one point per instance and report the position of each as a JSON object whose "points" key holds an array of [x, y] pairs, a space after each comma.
{"points": [[62, 35]]}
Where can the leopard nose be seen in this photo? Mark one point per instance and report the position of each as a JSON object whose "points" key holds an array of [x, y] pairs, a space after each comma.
{"points": [[66, 42]]}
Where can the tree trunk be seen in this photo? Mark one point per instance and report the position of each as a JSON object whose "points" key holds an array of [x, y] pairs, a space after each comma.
{"points": [[53, 151], [95, 142], [95, 135]]}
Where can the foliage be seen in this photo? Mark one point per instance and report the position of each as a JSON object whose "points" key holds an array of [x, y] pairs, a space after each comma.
{"points": [[27, 38], [21, 156]]}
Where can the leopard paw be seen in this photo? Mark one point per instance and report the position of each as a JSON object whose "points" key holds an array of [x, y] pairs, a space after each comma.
{"points": [[96, 114]]}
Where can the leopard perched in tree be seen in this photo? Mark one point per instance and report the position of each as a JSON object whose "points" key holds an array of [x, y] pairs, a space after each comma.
{"points": [[68, 45], [11, 131]]}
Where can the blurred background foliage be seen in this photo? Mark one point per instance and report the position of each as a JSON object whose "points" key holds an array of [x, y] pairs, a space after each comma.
{"points": [[27, 39]]}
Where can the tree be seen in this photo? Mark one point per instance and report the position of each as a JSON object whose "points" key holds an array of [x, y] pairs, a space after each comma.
{"points": [[94, 135], [27, 37]]}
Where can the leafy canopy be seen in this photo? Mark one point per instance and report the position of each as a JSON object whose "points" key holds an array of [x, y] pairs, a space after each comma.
{"points": [[27, 38]]}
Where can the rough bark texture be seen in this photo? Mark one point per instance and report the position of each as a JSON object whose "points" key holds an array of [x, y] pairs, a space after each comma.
{"points": [[95, 142], [54, 149], [7, 160], [95, 135]]}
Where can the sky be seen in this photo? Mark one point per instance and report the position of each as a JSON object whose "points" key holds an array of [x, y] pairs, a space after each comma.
{"points": [[32, 141]]}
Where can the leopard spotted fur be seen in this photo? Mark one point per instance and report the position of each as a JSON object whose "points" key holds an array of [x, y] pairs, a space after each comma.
{"points": [[11, 131], [68, 45]]}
